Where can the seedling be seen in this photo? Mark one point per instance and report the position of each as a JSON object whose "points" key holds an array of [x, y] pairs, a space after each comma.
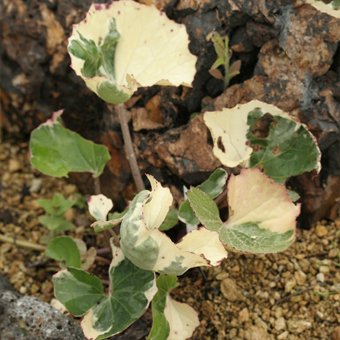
{"points": [[116, 49], [55, 208], [224, 54]]}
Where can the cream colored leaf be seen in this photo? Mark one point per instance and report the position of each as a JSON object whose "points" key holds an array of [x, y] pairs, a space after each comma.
{"points": [[182, 319], [255, 198], [99, 206], [156, 209], [204, 242], [328, 8], [229, 129], [151, 49]]}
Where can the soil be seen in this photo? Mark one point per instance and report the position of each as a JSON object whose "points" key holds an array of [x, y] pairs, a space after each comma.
{"points": [[291, 295]]}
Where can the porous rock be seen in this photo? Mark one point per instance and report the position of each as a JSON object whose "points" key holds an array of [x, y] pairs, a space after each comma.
{"points": [[28, 318]]}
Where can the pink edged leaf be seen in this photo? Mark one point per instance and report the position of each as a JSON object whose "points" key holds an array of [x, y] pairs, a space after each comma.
{"points": [[262, 217]]}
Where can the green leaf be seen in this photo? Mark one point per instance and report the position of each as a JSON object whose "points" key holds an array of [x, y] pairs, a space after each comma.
{"points": [[186, 214], [111, 94], [160, 327], [170, 221], [249, 237], [131, 291], [213, 186], [205, 209], [58, 205], [77, 290], [65, 250], [55, 223], [56, 151], [287, 149]]}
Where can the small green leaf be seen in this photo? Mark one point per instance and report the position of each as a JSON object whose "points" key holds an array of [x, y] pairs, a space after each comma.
{"points": [[170, 221], [56, 151], [250, 238], [77, 290], [65, 250], [287, 149], [58, 205], [205, 209], [160, 327], [96, 56], [186, 214], [213, 186], [55, 223], [111, 94]]}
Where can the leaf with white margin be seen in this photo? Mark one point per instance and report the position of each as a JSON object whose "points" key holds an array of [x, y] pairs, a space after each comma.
{"points": [[171, 319], [77, 290], [150, 249], [56, 151], [282, 147], [229, 131], [262, 217], [131, 290], [160, 327], [114, 219], [332, 8], [233, 141], [114, 56], [99, 206]]}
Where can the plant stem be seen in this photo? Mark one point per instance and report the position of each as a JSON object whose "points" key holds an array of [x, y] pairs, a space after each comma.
{"points": [[130, 154], [21, 243], [105, 250], [96, 182]]}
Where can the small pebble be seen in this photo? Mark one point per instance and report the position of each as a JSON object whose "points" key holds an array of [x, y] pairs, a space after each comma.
{"points": [[320, 277], [35, 185], [324, 269], [23, 290], [283, 336], [290, 284], [14, 165], [280, 324], [300, 277], [321, 231], [244, 315]]}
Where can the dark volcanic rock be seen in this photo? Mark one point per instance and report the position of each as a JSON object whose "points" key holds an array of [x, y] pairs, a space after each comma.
{"points": [[27, 318]]}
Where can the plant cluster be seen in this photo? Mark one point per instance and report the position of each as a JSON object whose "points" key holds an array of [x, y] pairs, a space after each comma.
{"points": [[259, 146]]}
